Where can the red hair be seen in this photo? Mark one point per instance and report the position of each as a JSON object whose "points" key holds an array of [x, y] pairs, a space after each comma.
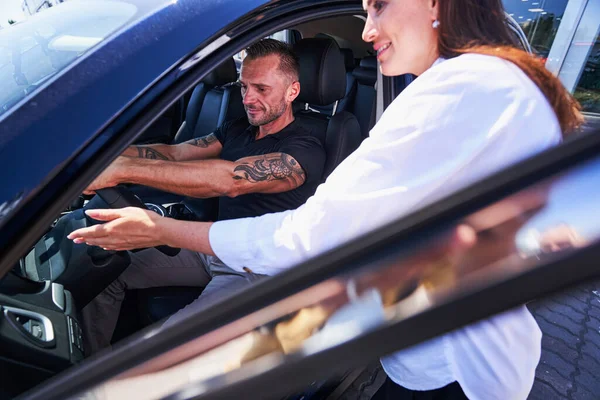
{"points": [[479, 26]]}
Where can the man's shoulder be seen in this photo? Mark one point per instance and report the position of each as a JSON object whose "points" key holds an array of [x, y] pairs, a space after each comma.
{"points": [[236, 125], [232, 128], [307, 130]]}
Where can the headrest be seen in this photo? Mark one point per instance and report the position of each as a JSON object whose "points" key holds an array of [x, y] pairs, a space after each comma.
{"points": [[348, 59], [366, 72], [322, 71], [222, 75]]}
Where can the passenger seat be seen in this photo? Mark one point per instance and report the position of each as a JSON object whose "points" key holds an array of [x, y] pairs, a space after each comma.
{"points": [[323, 82], [349, 63], [348, 98], [362, 105]]}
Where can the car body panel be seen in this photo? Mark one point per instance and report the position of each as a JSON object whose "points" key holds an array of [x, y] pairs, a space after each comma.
{"points": [[118, 80], [55, 124]]}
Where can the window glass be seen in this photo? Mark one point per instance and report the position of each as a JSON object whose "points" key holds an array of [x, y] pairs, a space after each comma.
{"points": [[539, 20], [587, 91], [33, 50]]}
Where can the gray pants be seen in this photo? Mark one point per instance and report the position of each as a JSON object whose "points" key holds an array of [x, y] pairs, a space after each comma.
{"points": [[151, 268]]}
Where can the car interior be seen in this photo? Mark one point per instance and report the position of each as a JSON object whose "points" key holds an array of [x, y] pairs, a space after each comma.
{"points": [[42, 297], [45, 292], [41, 334]]}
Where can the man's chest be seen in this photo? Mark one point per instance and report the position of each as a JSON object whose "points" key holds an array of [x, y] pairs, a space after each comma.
{"points": [[238, 148]]}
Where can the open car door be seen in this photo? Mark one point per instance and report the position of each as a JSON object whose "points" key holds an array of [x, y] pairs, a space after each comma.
{"points": [[536, 231]]}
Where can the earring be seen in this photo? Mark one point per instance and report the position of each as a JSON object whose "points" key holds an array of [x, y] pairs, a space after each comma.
{"points": [[435, 24]]}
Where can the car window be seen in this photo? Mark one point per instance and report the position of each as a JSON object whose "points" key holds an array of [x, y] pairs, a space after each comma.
{"points": [[572, 54], [587, 91], [33, 50], [539, 20]]}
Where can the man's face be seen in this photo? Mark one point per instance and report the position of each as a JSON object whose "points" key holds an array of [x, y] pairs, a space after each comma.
{"points": [[265, 89]]}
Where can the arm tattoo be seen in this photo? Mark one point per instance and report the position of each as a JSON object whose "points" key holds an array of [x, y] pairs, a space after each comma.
{"points": [[203, 142], [150, 153], [276, 166]]}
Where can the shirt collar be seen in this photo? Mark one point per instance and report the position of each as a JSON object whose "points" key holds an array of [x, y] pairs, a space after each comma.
{"points": [[438, 61], [282, 134]]}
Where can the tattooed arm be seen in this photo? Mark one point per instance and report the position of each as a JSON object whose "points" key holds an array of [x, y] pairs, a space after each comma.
{"points": [[196, 149], [269, 173]]}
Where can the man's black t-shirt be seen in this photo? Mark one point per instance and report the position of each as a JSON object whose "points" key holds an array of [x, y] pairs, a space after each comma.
{"points": [[239, 140]]}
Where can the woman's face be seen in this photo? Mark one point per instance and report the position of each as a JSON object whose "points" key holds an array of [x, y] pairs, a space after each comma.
{"points": [[402, 34]]}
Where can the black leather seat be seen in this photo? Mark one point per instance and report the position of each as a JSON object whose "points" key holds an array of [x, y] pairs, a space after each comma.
{"points": [[322, 83], [348, 98], [215, 100], [361, 105], [349, 63]]}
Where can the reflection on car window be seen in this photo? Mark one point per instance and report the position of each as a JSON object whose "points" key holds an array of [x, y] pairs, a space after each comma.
{"points": [[539, 20], [587, 91], [35, 49], [504, 240]]}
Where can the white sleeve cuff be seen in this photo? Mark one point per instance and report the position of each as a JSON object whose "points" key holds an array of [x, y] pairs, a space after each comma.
{"points": [[229, 241]]}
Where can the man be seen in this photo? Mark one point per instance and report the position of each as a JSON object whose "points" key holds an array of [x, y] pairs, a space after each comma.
{"points": [[267, 163]]}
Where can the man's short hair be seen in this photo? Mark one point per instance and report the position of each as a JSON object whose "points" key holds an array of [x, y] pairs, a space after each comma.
{"points": [[288, 60]]}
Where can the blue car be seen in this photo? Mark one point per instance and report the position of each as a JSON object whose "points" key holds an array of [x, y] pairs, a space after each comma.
{"points": [[82, 80]]}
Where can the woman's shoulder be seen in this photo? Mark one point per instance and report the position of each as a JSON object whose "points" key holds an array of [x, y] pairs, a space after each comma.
{"points": [[484, 71], [473, 77], [471, 87]]}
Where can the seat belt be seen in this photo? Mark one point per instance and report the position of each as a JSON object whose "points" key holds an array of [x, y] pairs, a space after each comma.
{"points": [[377, 106]]}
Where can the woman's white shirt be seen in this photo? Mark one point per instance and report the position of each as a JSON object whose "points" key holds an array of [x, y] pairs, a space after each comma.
{"points": [[463, 119]]}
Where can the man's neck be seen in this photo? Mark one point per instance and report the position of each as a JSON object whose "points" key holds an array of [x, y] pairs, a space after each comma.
{"points": [[275, 126]]}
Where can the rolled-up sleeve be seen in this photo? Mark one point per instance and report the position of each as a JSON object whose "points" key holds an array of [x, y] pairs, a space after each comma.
{"points": [[457, 123]]}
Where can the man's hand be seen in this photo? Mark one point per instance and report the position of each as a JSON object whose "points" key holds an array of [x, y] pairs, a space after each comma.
{"points": [[108, 178], [126, 229]]}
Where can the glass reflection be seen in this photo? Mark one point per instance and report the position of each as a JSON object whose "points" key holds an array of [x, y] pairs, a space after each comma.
{"points": [[500, 241]]}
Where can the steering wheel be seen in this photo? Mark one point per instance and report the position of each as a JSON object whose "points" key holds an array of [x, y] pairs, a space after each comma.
{"points": [[120, 197]]}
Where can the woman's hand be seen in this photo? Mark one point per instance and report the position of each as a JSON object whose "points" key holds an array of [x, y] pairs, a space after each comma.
{"points": [[125, 229]]}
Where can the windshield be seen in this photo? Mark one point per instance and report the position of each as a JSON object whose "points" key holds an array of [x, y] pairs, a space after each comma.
{"points": [[37, 48]]}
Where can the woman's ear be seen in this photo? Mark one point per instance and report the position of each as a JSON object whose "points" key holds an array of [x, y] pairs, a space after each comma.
{"points": [[434, 9]]}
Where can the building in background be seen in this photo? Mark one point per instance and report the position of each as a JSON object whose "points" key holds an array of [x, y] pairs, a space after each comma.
{"points": [[31, 7]]}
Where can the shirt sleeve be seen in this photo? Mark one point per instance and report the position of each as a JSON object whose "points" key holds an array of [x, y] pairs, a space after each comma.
{"points": [[222, 132], [309, 153], [457, 123]]}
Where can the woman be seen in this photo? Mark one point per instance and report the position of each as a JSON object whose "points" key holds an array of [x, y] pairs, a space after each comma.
{"points": [[478, 105]]}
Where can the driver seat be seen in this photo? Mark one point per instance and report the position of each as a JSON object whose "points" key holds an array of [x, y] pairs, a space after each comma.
{"points": [[323, 83]]}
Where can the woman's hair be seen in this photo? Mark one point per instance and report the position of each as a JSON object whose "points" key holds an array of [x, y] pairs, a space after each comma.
{"points": [[479, 26]]}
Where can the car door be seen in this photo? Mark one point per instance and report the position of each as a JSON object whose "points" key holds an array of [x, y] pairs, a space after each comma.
{"points": [[533, 196], [151, 349]]}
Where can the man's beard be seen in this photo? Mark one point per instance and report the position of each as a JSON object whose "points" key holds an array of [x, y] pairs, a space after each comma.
{"points": [[269, 117]]}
